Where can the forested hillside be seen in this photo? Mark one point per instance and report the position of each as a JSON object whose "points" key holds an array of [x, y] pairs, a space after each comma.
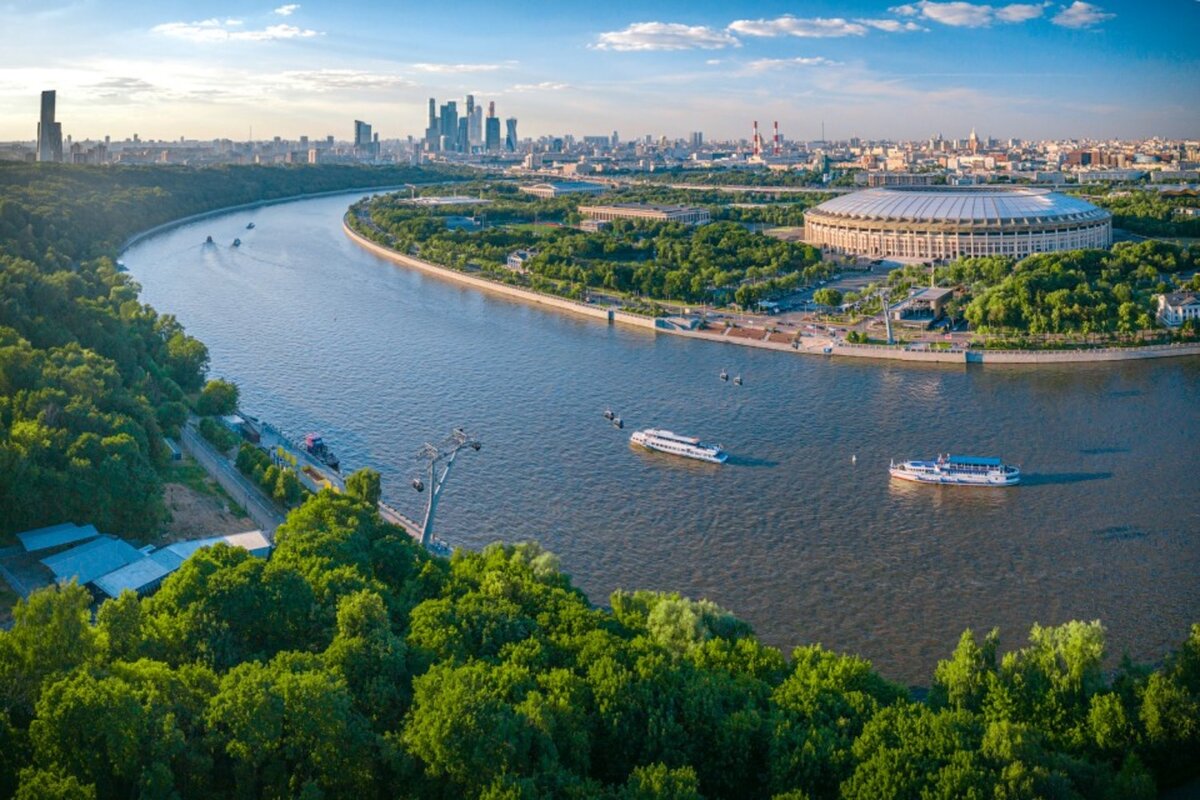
{"points": [[90, 377], [353, 664]]}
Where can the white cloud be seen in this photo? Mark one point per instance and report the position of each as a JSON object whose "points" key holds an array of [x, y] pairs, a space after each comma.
{"points": [[288, 10], [768, 64], [327, 80], [1081, 15], [645, 36], [457, 69], [1019, 12], [787, 25], [960, 14], [544, 86], [215, 30], [891, 25]]}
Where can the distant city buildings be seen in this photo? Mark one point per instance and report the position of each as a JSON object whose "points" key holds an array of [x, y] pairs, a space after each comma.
{"points": [[471, 132], [49, 132]]}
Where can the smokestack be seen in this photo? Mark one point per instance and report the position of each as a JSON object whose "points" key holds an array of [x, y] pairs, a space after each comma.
{"points": [[757, 140], [777, 149]]}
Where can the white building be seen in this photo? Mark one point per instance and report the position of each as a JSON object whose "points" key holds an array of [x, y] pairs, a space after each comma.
{"points": [[688, 215], [1178, 307]]}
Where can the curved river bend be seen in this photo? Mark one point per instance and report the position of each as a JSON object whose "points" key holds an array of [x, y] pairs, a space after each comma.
{"points": [[791, 534]]}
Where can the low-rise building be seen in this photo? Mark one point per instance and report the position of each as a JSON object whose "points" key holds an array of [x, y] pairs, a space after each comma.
{"points": [[688, 215], [517, 260], [1176, 308], [547, 191]]}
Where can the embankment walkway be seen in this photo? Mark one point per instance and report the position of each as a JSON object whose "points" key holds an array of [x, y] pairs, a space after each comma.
{"points": [[777, 340]]}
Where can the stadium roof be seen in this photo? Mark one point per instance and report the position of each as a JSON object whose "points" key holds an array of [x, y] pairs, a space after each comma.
{"points": [[93, 559], [56, 535], [986, 205]]}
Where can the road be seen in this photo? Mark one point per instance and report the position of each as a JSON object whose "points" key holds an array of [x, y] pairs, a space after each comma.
{"points": [[235, 483]]}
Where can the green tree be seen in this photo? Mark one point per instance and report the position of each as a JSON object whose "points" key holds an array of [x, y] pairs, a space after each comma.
{"points": [[218, 397], [827, 297], [365, 485]]}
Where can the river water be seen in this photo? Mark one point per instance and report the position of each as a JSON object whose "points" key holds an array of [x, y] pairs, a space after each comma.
{"points": [[802, 533]]}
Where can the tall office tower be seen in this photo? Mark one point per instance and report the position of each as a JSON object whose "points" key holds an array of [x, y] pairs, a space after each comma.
{"points": [[491, 133], [697, 140], [491, 139], [615, 140], [448, 124], [463, 137], [510, 139], [362, 135], [433, 130], [475, 127], [49, 132], [470, 104]]}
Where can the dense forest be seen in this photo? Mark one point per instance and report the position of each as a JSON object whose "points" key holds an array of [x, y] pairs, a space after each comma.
{"points": [[1148, 213], [353, 664], [90, 377], [721, 262]]}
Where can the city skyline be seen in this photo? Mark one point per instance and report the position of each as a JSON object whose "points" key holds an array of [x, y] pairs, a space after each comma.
{"points": [[877, 70]]}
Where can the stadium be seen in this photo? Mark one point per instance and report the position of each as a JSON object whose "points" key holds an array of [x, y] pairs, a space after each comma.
{"points": [[926, 223]]}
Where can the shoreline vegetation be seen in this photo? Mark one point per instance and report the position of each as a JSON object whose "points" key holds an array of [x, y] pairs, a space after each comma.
{"points": [[566, 266], [353, 663]]}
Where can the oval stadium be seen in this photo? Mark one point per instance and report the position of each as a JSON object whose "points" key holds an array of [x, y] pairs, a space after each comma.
{"points": [[926, 223]]}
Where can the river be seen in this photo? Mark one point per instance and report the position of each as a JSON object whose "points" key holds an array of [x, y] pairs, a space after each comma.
{"points": [[802, 533]]}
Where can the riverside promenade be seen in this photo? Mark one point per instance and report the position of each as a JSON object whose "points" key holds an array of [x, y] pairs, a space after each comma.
{"points": [[768, 339]]}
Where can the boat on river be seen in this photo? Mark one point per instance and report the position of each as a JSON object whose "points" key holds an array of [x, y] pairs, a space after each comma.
{"points": [[687, 446], [957, 471]]}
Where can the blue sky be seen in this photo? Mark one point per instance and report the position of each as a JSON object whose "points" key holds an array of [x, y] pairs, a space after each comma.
{"points": [[872, 69]]}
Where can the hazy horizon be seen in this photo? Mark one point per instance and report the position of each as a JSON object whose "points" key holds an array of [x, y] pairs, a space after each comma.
{"points": [[1110, 69]]}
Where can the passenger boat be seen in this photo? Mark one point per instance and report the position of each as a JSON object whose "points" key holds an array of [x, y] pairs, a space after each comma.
{"points": [[676, 445], [957, 471]]}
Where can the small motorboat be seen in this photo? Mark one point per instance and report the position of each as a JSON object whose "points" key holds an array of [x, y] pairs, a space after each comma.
{"points": [[249, 226], [208, 240], [737, 379], [617, 423], [609, 415], [237, 242], [724, 375]]}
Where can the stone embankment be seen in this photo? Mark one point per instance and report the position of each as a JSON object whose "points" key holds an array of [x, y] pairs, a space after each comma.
{"points": [[777, 340]]}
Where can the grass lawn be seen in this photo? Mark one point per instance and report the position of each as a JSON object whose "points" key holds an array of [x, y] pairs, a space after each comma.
{"points": [[538, 228]]}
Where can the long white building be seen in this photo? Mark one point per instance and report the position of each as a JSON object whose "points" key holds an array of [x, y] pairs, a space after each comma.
{"points": [[939, 222]]}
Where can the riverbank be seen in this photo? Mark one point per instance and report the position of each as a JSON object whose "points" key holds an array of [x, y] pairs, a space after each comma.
{"points": [[766, 339], [216, 212]]}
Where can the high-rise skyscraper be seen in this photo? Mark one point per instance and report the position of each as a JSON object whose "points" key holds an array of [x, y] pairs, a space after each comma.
{"points": [[364, 144], [49, 132], [448, 125], [432, 131], [491, 135], [510, 139]]}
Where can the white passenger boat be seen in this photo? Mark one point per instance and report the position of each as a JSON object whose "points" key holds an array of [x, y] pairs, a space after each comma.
{"points": [[958, 471], [676, 445]]}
